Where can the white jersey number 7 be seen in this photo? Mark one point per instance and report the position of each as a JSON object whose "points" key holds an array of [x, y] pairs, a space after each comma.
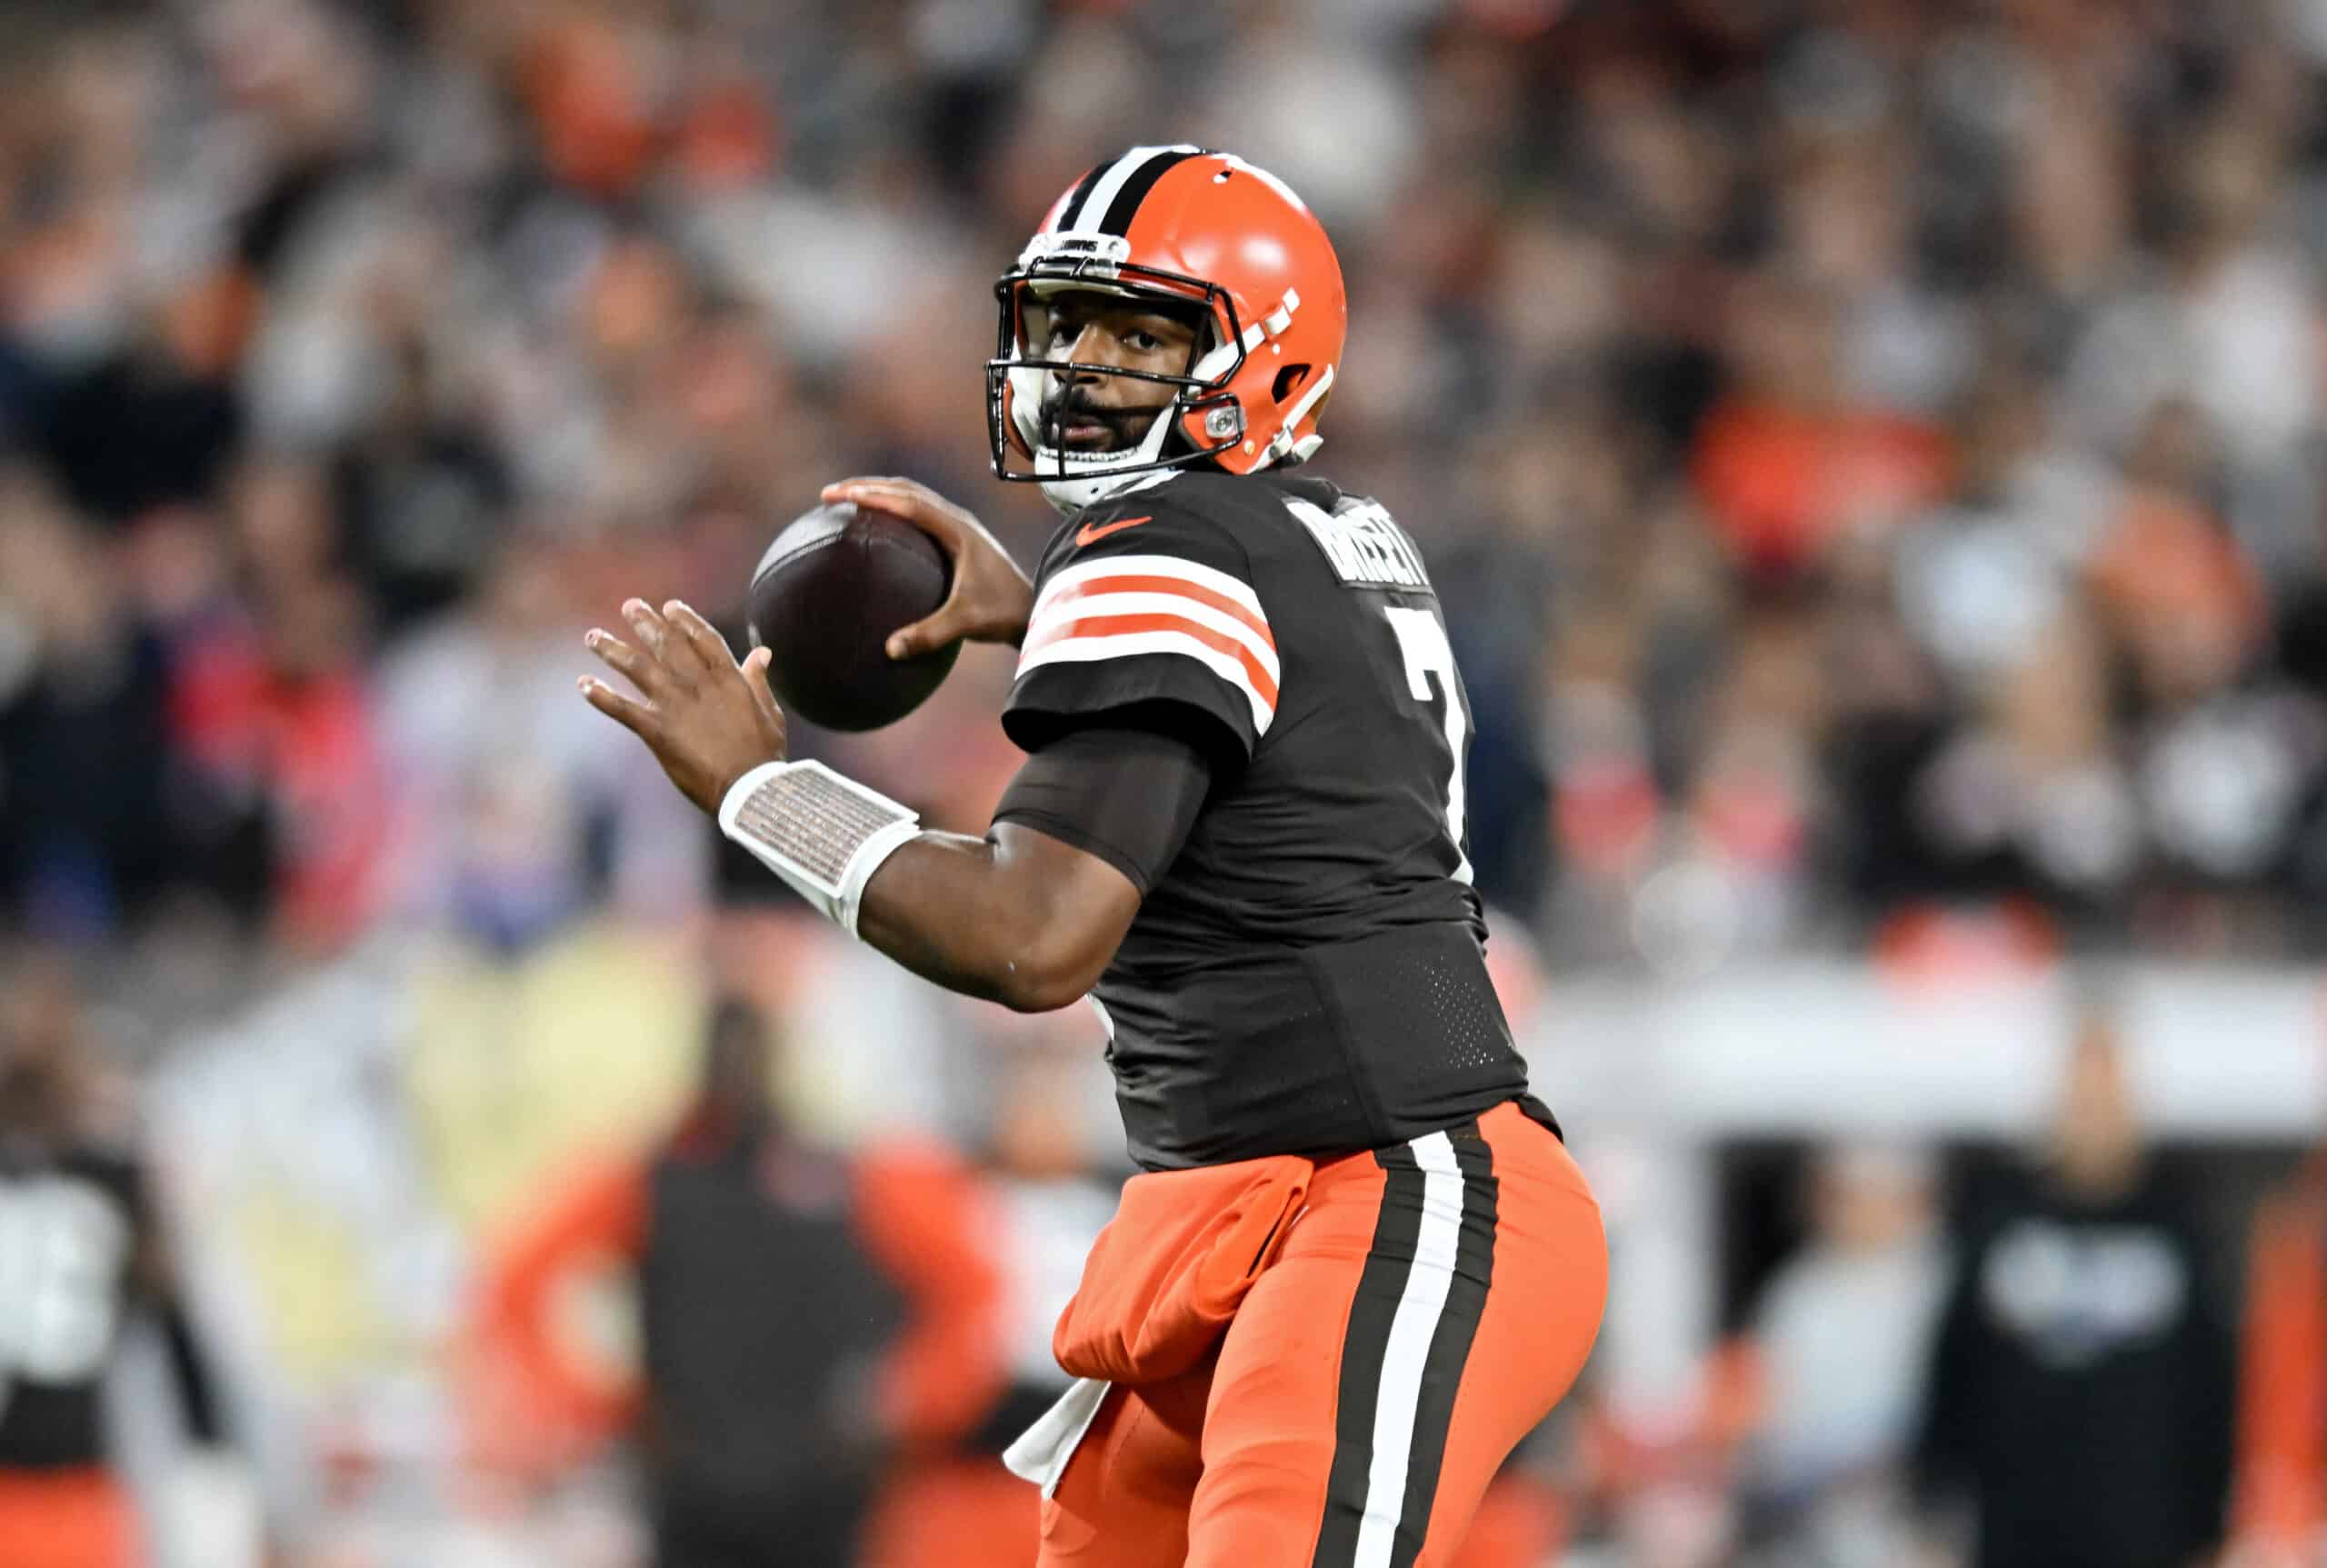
{"points": [[1421, 641]]}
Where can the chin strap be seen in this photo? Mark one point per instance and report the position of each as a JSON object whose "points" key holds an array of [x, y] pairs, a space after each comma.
{"points": [[1284, 448], [824, 834]]}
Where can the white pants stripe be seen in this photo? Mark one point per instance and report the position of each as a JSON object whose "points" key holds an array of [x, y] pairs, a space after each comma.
{"points": [[1410, 1332]]}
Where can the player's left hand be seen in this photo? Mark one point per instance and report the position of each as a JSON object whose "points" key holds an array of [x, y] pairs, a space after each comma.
{"points": [[707, 719], [990, 600]]}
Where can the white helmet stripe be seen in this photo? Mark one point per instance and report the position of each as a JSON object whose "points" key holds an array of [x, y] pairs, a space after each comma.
{"points": [[1064, 218]]}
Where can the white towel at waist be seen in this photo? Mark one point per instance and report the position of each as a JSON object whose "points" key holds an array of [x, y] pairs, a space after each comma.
{"points": [[1041, 1453]]}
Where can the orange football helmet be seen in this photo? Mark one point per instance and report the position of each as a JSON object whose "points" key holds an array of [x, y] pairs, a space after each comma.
{"points": [[1183, 228]]}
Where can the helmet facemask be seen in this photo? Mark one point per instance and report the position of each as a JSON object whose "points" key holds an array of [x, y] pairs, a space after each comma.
{"points": [[1020, 378]]}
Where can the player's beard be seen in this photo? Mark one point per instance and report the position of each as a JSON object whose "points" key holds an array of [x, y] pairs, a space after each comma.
{"points": [[1125, 427]]}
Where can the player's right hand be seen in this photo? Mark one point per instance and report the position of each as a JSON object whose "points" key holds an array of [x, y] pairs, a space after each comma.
{"points": [[707, 719], [991, 597]]}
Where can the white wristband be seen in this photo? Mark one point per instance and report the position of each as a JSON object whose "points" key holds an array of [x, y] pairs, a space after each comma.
{"points": [[823, 834]]}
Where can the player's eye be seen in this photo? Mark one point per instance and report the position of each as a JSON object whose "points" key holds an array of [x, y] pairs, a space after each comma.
{"points": [[1142, 341]]}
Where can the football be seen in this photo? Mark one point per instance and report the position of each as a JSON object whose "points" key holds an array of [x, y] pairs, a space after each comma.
{"points": [[824, 600]]}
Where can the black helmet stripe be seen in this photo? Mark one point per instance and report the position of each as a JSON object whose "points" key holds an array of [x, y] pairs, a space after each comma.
{"points": [[1134, 189], [1097, 197]]}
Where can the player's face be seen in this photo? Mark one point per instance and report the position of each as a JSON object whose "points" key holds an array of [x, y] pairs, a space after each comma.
{"points": [[1098, 412]]}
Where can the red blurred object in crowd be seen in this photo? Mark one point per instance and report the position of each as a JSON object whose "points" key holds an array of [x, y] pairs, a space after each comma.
{"points": [[591, 96], [301, 747], [727, 135], [1932, 945], [1782, 484]]}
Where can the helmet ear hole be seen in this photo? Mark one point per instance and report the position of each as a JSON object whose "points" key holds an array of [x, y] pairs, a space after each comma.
{"points": [[1288, 382]]}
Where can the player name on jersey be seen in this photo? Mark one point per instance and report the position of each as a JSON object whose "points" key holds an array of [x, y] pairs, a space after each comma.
{"points": [[1365, 547]]}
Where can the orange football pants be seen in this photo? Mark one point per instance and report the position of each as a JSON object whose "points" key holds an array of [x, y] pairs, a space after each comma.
{"points": [[1432, 1303], [65, 1519]]}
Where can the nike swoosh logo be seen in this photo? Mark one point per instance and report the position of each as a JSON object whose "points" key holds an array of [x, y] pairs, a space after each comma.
{"points": [[1092, 532]]}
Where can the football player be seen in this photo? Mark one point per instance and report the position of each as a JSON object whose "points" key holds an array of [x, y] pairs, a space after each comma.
{"points": [[82, 1253], [1359, 1264]]}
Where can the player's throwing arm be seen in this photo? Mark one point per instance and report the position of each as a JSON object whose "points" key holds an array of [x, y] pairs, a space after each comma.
{"points": [[1014, 917]]}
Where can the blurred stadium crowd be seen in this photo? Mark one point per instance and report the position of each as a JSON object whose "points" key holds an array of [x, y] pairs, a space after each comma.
{"points": [[1874, 454]]}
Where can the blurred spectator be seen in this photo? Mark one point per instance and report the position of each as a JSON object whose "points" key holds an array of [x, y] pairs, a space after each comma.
{"points": [[85, 734], [1786, 465], [273, 716], [2282, 1497], [81, 1255], [525, 812], [805, 1319], [1049, 1204], [2080, 1393], [1842, 1333]]}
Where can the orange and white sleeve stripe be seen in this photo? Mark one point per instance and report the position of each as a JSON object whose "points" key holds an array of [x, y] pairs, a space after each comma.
{"points": [[1125, 605]]}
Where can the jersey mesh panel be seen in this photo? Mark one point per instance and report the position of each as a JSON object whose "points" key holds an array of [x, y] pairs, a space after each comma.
{"points": [[1422, 1025], [1470, 1030]]}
